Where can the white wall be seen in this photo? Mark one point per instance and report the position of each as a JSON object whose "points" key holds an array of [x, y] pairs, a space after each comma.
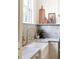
{"points": [[51, 6], [36, 10]]}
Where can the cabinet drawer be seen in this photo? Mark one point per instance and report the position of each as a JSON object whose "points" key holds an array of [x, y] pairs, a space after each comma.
{"points": [[36, 56]]}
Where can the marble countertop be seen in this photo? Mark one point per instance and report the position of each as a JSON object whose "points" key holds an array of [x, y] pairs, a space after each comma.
{"points": [[46, 40], [38, 45], [30, 50]]}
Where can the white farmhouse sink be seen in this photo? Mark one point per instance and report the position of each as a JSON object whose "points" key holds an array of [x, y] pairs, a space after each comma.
{"points": [[38, 45]]}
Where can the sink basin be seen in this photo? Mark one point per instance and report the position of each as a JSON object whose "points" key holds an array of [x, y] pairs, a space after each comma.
{"points": [[28, 52], [38, 45]]}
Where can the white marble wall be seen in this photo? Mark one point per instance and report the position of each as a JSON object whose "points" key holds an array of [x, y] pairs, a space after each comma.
{"points": [[29, 32], [52, 31]]}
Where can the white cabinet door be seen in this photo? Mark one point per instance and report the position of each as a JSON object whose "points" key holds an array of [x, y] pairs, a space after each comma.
{"points": [[44, 53], [53, 50]]}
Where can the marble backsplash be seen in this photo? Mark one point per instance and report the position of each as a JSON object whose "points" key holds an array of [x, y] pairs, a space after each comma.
{"points": [[30, 31], [49, 31]]}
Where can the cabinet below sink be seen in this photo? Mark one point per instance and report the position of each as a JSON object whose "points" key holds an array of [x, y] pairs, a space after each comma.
{"points": [[53, 50], [37, 50]]}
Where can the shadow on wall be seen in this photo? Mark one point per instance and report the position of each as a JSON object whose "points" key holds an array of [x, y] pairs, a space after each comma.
{"points": [[42, 33]]}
